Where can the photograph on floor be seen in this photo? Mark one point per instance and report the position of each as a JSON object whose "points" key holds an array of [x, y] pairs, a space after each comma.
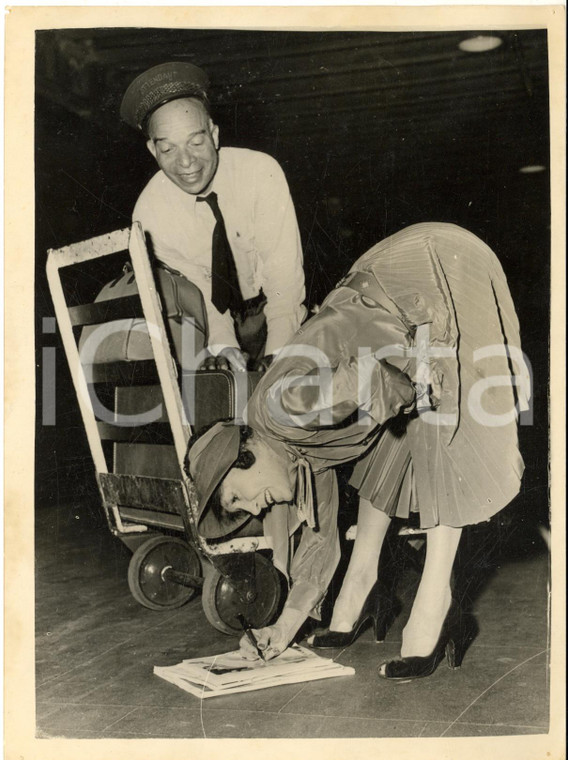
{"points": [[292, 322]]}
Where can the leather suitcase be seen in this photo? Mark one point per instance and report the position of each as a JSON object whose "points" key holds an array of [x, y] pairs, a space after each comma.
{"points": [[208, 396]]}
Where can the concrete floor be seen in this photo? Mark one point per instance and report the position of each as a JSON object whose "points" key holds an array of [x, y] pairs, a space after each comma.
{"points": [[96, 648]]}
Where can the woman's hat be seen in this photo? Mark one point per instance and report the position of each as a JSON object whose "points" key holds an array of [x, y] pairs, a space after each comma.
{"points": [[209, 459], [159, 85]]}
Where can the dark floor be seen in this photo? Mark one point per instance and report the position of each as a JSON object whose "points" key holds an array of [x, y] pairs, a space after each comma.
{"points": [[96, 648]]}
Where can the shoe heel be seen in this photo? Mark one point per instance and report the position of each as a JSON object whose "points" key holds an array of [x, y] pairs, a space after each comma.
{"points": [[384, 615], [380, 629], [452, 656], [381, 624]]}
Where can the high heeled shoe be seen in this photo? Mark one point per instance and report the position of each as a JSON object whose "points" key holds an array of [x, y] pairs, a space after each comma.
{"points": [[448, 644], [377, 609]]}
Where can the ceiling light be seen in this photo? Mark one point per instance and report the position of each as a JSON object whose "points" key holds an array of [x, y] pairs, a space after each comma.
{"points": [[532, 169], [480, 44]]}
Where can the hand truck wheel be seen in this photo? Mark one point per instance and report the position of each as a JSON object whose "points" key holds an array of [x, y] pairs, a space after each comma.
{"points": [[225, 595], [153, 568]]}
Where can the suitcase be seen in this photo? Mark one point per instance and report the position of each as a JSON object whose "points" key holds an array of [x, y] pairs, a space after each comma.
{"points": [[208, 396]]}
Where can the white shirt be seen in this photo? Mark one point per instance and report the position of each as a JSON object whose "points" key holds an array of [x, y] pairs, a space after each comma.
{"points": [[262, 230]]}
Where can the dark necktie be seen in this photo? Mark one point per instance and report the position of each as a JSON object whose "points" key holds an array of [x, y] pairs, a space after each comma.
{"points": [[225, 290]]}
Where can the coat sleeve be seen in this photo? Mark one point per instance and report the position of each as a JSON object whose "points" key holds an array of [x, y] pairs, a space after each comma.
{"points": [[326, 397], [317, 555]]}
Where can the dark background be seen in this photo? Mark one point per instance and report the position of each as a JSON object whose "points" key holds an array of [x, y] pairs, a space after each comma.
{"points": [[375, 131]]}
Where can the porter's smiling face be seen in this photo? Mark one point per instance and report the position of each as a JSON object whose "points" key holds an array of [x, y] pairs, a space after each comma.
{"points": [[184, 142]]}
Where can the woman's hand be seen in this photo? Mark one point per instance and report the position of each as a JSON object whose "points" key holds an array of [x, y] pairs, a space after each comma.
{"points": [[271, 641]]}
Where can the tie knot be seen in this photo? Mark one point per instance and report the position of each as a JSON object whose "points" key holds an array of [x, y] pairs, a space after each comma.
{"points": [[212, 202]]}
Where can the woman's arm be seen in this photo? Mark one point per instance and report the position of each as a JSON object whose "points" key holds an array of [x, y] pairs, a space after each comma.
{"points": [[312, 569]]}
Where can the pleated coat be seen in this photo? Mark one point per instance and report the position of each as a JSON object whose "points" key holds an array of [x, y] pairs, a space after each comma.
{"points": [[412, 367], [460, 463]]}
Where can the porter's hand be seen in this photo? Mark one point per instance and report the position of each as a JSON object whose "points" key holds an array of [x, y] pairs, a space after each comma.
{"points": [[228, 358], [263, 364]]}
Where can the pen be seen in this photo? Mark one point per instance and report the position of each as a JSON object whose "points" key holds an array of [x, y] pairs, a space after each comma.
{"points": [[250, 635]]}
